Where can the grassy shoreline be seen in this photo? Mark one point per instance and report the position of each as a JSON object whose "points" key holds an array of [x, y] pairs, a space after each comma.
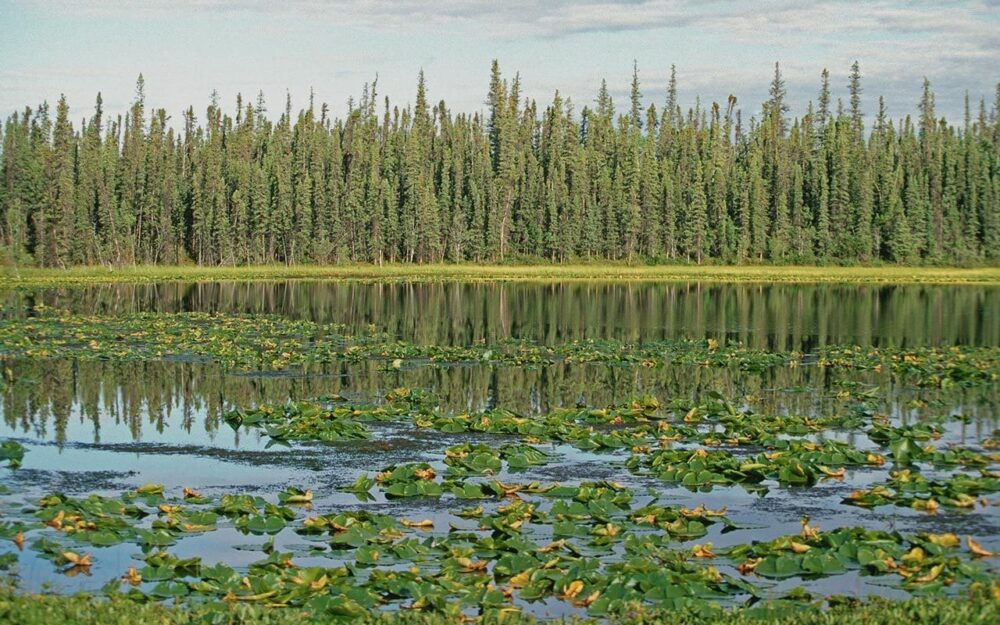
{"points": [[82, 276], [34, 609]]}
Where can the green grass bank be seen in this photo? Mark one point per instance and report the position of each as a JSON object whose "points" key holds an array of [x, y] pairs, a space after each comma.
{"points": [[38, 278], [87, 610]]}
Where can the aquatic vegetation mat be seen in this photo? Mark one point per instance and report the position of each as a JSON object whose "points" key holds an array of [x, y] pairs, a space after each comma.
{"points": [[263, 342], [497, 542], [651, 502], [978, 609]]}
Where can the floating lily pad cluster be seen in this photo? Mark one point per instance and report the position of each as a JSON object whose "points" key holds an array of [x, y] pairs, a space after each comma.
{"points": [[270, 342], [476, 523], [589, 545], [925, 562], [914, 490], [12, 453]]}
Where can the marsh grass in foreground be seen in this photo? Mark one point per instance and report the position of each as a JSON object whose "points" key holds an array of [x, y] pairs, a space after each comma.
{"points": [[85, 609], [891, 274]]}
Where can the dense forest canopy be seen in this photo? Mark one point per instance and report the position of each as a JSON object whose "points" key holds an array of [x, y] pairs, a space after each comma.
{"points": [[421, 184]]}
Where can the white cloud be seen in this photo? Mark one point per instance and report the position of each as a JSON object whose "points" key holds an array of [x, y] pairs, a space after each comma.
{"points": [[956, 44]]}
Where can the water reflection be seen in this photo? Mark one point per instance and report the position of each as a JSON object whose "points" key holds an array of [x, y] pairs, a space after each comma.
{"points": [[777, 317], [182, 403], [99, 426]]}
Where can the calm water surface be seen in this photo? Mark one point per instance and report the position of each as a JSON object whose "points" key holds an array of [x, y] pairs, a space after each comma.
{"points": [[108, 426], [778, 317]]}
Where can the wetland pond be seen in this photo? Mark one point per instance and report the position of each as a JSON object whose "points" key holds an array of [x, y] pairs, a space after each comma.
{"points": [[564, 448]]}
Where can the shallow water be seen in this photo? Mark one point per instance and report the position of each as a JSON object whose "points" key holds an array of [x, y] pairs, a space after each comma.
{"points": [[104, 427]]}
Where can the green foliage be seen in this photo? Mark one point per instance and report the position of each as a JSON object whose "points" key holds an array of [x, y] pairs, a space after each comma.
{"points": [[495, 542], [422, 185], [83, 609], [12, 452], [257, 342]]}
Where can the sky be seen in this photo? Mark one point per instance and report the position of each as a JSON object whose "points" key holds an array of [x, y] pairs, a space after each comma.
{"points": [[187, 48]]}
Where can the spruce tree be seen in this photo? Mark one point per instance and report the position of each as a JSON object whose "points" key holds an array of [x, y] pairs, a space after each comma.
{"points": [[421, 184]]}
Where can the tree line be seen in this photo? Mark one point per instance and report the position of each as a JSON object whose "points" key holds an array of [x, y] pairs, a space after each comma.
{"points": [[517, 181]]}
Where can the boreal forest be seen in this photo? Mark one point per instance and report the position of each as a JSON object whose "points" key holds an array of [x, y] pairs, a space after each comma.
{"points": [[631, 181]]}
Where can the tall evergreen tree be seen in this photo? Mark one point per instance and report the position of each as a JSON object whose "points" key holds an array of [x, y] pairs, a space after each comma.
{"points": [[420, 184]]}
